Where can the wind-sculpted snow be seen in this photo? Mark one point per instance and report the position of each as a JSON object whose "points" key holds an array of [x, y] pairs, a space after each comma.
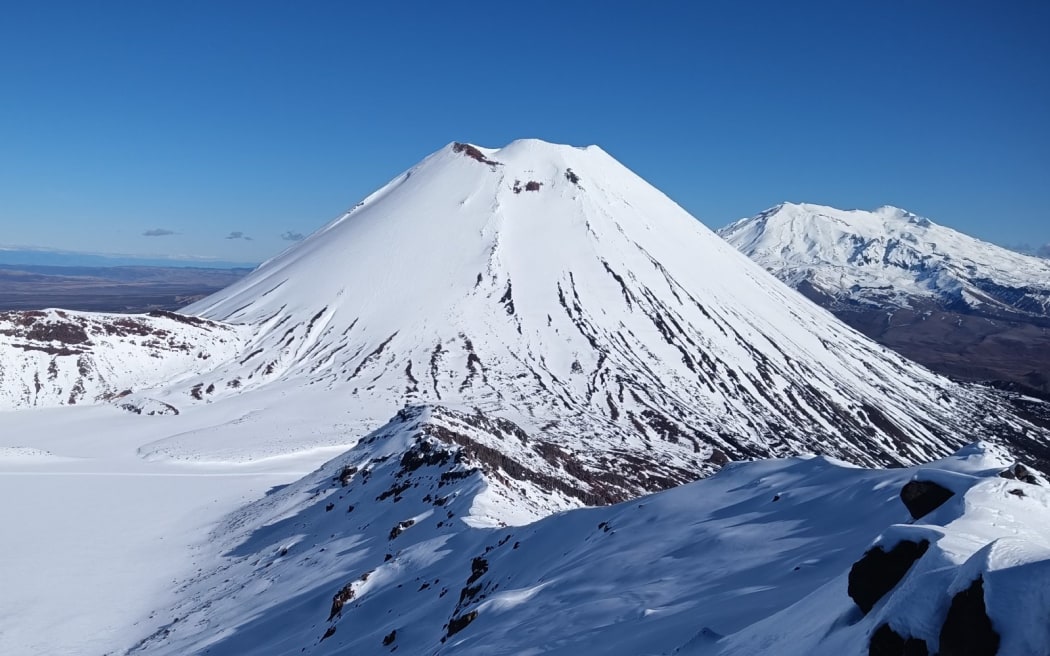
{"points": [[59, 357], [407, 542]]}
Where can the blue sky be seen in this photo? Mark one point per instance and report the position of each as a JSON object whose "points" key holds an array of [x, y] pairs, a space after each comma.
{"points": [[207, 120]]}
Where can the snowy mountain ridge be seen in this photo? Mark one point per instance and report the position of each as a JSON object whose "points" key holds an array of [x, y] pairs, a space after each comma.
{"points": [[61, 357], [890, 256], [381, 549]]}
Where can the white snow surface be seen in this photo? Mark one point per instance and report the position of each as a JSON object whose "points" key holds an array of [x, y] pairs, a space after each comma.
{"points": [[890, 256], [753, 560]]}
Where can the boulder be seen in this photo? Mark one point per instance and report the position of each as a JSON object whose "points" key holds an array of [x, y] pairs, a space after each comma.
{"points": [[1019, 472], [923, 497], [967, 630], [879, 571], [887, 642]]}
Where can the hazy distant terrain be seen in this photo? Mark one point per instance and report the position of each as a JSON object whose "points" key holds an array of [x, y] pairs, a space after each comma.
{"points": [[109, 288]]}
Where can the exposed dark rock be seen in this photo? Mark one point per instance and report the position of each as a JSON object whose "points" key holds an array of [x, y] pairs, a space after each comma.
{"points": [[423, 454], [345, 474], [50, 350], [181, 318], [156, 408], [400, 528], [887, 642], [1019, 472], [602, 482], [390, 638], [508, 299], [718, 457], [532, 185], [879, 571], [66, 332], [328, 633], [967, 630], [345, 594], [457, 624], [473, 153], [395, 491], [923, 497], [478, 567]]}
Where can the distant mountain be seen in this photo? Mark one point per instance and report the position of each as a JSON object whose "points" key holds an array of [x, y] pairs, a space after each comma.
{"points": [[1038, 251], [959, 305]]}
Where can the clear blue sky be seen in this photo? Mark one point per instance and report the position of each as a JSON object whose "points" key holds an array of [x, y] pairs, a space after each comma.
{"points": [[209, 118]]}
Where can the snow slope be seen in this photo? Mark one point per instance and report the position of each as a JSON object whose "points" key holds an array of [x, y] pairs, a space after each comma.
{"points": [[95, 537], [381, 549], [57, 357], [891, 256]]}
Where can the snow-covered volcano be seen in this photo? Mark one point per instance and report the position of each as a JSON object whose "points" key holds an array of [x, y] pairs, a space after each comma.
{"points": [[891, 256], [959, 305], [553, 287]]}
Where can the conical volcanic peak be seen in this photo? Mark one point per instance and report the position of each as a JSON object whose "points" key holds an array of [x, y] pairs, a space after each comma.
{"points": [[552, 286]]}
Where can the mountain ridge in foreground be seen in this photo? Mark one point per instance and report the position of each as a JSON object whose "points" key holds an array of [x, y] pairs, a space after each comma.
{"points": [[375, 551], [963, 307]]}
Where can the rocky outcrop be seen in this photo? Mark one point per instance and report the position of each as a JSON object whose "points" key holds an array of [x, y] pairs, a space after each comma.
{"points": [[887, 642], [967, 630], [879, 571], [923, 497]]}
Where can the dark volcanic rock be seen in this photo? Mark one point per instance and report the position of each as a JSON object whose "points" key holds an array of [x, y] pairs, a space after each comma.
{"points": [[1019, 472], [923, 497], [879, 571], [457, 624], [967, 630], [887, 642]]}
